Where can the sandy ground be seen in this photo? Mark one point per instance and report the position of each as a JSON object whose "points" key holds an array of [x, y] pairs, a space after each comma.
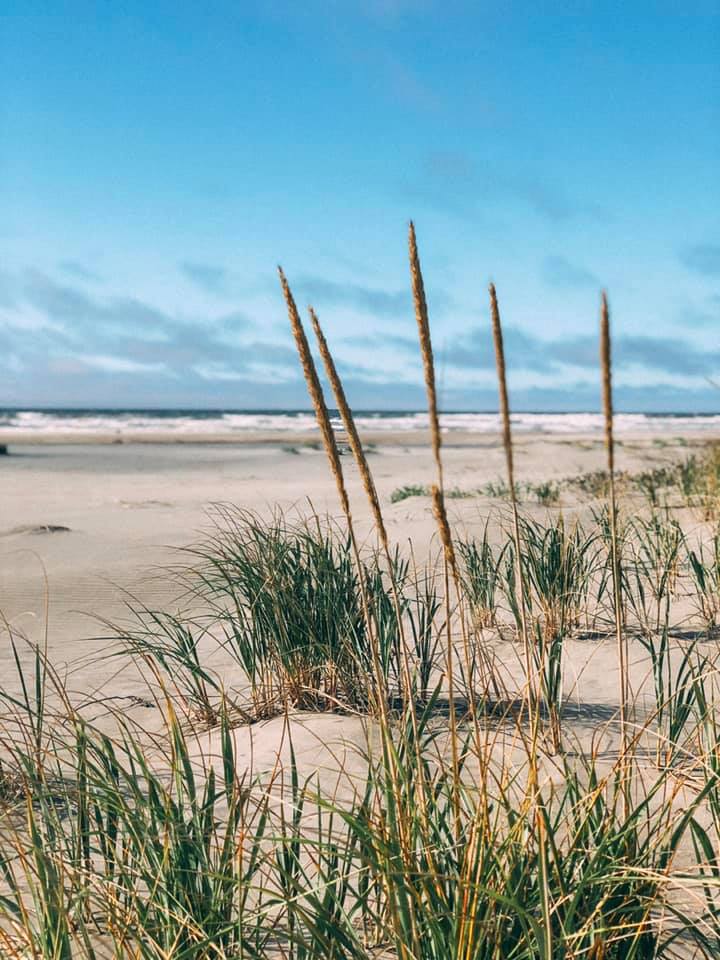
{"points": [[125, 509], [128, 507], [84, 525]]}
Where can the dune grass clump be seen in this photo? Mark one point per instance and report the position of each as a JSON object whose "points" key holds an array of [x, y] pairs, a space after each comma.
{"points": [[547, 493], [287, 603], [584, 880], [693, 482], [183, 854], [652, 482], [122, 859], [420, 490], [295, 620], [480, 578], [705, 569], [593, 484], [558, 562], [169, 646], [651, 576], [11, 785], [699, 482], [409, 490]]}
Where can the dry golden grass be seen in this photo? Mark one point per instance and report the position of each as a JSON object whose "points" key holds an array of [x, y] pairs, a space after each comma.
{"points": [[351, 430], [607, 400], [504, 408]]}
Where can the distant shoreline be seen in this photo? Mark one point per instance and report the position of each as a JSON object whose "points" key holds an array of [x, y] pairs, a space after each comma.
{"points": [[298, 426], [309, 439]]}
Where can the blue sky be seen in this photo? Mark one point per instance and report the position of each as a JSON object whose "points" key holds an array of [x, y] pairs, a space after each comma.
{"points": [[157, 160]]}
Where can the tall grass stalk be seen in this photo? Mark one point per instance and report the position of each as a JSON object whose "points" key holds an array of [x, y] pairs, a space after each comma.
{"points": [[437, 492], [318, 400], [622, 649], [351, 431], [679, 692], [530, 680], [423, 325]]}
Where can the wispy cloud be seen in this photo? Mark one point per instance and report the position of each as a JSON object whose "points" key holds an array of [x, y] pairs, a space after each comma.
{"points": [[5, 343], [74, 341], [662, 354], [386, 303], [700, 316], [525, 352], [81, 313], [389, 340], [260, 361], [703, 258], [452, 180], [114, 364], [219, 371], [668, 354], [209, 277], [549, 200], [449, 164], [408, 86], [531, 354], [64, 330], [267, 352], [388, 75], [559, 272], [79, 271], [7, 289], [234, 322]]}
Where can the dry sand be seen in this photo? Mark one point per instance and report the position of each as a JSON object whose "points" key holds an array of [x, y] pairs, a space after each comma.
{"points": [[126, 508]]}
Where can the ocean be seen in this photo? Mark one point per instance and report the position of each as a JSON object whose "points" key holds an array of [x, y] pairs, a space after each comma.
{"points": [[199, 422]]}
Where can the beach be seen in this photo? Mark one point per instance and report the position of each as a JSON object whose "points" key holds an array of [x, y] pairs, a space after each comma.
{"points": [[102, 544], [359, 482], [84, 524]]}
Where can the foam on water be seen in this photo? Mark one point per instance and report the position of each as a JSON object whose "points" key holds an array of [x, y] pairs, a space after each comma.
{"points": [[202, 422]]}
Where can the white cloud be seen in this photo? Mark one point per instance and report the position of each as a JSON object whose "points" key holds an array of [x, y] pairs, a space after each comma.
{"points": [[216, 371], [267, 373], [111, 364], [30, 320]]}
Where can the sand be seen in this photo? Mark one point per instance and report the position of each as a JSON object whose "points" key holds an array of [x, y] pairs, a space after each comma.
{"points": [[128, 507], [87, 527], [82, 526]]}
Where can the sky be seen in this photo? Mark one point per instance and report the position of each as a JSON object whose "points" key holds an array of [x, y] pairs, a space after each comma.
{"points": [[158, 160]]}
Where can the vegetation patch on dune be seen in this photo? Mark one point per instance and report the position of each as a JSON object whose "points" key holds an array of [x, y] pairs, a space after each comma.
{"points": [[473, 821]]}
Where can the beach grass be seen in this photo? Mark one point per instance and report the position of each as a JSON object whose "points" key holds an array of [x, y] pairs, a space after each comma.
{"points": [[473, 818]]}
